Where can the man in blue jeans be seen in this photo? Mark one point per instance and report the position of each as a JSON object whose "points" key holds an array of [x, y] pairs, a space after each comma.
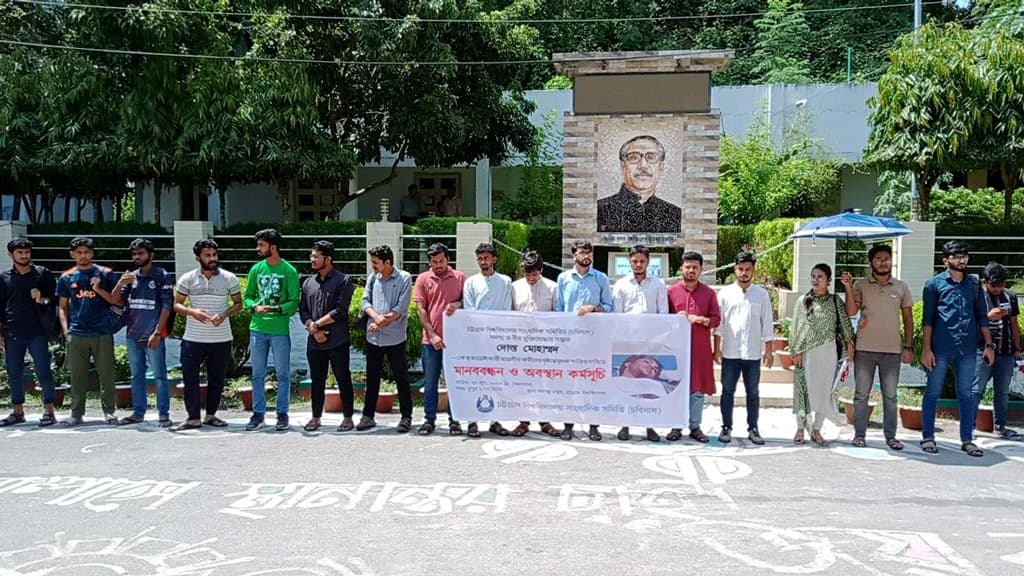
{"points": [[147, 293], [25, 291], [1003, 309], [954, 315]]}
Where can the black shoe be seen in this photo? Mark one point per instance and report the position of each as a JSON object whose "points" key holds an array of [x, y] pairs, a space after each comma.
{"points": [[623, 434], [725, 436], [567, 432], [282, 422], [365, 424], [595, 434], [255, 423], [755, 437]]}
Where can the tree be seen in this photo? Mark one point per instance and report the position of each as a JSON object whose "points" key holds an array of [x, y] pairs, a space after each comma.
{"points": [[540, 191], [782, 36], [922, 118], [760, 181]]}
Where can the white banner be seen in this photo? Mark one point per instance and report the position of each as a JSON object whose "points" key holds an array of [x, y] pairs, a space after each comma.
{"points": [[621, 369]]}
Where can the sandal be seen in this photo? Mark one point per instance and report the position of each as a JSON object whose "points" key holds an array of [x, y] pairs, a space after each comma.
{"points": [[497, 428], [404, 425], [550, 430], [473, 431], [653, 436], [215, 422], [698, 435], [929, 446], [521, 430], [346, 425], [312, 426], [972, 450], [894, 444], [426, 428], [594, 434], [129, 420], [47, 419], [674, 435], [819, 439], [454, 429], [799, 438], [13, 419], [859, 442], [186, 425]]}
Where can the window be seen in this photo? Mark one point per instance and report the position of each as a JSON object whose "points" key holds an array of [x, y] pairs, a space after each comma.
{"points": [[434, 188], [316, 201]]}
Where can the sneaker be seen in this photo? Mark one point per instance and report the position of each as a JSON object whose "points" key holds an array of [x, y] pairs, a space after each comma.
{"points": [[755, 437], [73, 421], [725, 436], [365, 424], [255, 423], [110, 419], [282, 423]]}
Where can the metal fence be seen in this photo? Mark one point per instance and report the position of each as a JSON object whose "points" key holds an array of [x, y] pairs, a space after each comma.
{"points": [[52, 250], [238, 252], [1007, 250]]}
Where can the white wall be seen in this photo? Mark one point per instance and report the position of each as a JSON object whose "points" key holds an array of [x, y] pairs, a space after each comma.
{"points": [[368, 207]]}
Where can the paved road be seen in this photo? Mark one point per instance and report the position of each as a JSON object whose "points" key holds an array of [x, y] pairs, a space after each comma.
{"points": [[98, 500]]}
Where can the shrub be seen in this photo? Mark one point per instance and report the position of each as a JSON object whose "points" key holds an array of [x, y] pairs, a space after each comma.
{"points": [[775, 268], [731, 240]]}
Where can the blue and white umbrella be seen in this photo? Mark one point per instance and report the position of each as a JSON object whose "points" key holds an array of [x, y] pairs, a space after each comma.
{"points": [[851, 226]]}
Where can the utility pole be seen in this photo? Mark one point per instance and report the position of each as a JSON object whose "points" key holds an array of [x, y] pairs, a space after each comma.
{"points": [[915, 201]]}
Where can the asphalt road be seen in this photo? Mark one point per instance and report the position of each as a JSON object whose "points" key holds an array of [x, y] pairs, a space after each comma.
{"points": [[96, 501]]}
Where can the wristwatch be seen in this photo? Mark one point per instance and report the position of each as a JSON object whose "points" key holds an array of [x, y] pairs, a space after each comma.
{"points": [[991, 345], [316, 325]]}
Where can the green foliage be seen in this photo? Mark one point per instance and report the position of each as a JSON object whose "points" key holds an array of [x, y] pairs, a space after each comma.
{"points": [[539, 198], [122, 369], [731, 240], [547, 240], [909, 397], [558, 83], [782, 44], [514, 234], [776, 268], [414, 332], [758, 181]]}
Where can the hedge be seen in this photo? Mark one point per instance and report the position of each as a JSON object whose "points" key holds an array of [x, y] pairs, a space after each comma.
{"points": [[414, 332], [295, 250], [731, 240], [514, 234], [775, 268]]}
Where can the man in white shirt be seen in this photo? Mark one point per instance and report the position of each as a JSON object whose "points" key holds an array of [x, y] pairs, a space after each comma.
{"points": [[743, 341], [534, 293], [640, 294], [488, 290]]}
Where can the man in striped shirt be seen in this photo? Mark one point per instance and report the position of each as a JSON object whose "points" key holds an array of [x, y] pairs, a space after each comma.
{"points": [[207, 331]]}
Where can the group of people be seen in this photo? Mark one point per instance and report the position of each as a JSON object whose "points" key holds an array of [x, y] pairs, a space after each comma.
{"points": [[969, 324]]}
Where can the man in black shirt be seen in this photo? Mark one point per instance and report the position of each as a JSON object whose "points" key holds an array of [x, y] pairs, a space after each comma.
{"points": [[636, 208], [323, 309], [1003, 309], [26, 291]]}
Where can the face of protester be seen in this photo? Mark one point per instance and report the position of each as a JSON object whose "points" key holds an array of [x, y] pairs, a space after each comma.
{"points": [[641, 169], [22, 256], [957, 262], [264, 249], [643, 368], [996, 288], [819, 281], [532, 277], [317, 261], [82, 256], [881, 264], [486, 262], [744, 272], [639, 262], [691, 270], [380, 266], [583, 258], [439, 264], [208, 259], [141, 257]]}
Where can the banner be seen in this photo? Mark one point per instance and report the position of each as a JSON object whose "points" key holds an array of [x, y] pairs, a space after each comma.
{"points": [[621, 369]]}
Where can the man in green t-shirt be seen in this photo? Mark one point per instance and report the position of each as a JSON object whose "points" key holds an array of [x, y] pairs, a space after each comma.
{"points": [[272, 294]]}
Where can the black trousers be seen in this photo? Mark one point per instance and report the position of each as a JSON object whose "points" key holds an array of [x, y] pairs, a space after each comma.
{"points": [[399, 368], [216, 355], [338, 360]]}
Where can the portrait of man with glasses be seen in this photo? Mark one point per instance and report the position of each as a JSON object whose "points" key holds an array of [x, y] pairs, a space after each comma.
{"points": [[636, 207]]}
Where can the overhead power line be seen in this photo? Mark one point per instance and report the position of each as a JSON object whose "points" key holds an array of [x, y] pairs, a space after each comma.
{"points": [[370, 18]]}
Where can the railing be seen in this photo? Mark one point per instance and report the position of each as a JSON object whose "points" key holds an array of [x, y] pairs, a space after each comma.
{"points": [[238, 252], [111, 250], [985, 249]]}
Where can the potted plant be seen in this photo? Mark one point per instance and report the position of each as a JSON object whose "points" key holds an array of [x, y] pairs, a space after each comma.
{"points": [[243, 387], [783, 330], [845, 395], [910, 400], [984, 421], [442, 395], [785, 357], [332, 396], [386, 398], [61, 392], [122, 378]]}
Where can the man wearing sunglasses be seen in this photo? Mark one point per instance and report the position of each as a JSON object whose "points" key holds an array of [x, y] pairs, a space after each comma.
{"points": [[636, 208]]}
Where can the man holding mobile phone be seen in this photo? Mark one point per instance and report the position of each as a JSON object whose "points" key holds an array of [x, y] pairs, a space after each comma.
{"points": [[1003, 309]]}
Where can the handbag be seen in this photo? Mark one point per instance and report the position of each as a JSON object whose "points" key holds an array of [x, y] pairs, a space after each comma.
{"points": [[840, 340]]}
